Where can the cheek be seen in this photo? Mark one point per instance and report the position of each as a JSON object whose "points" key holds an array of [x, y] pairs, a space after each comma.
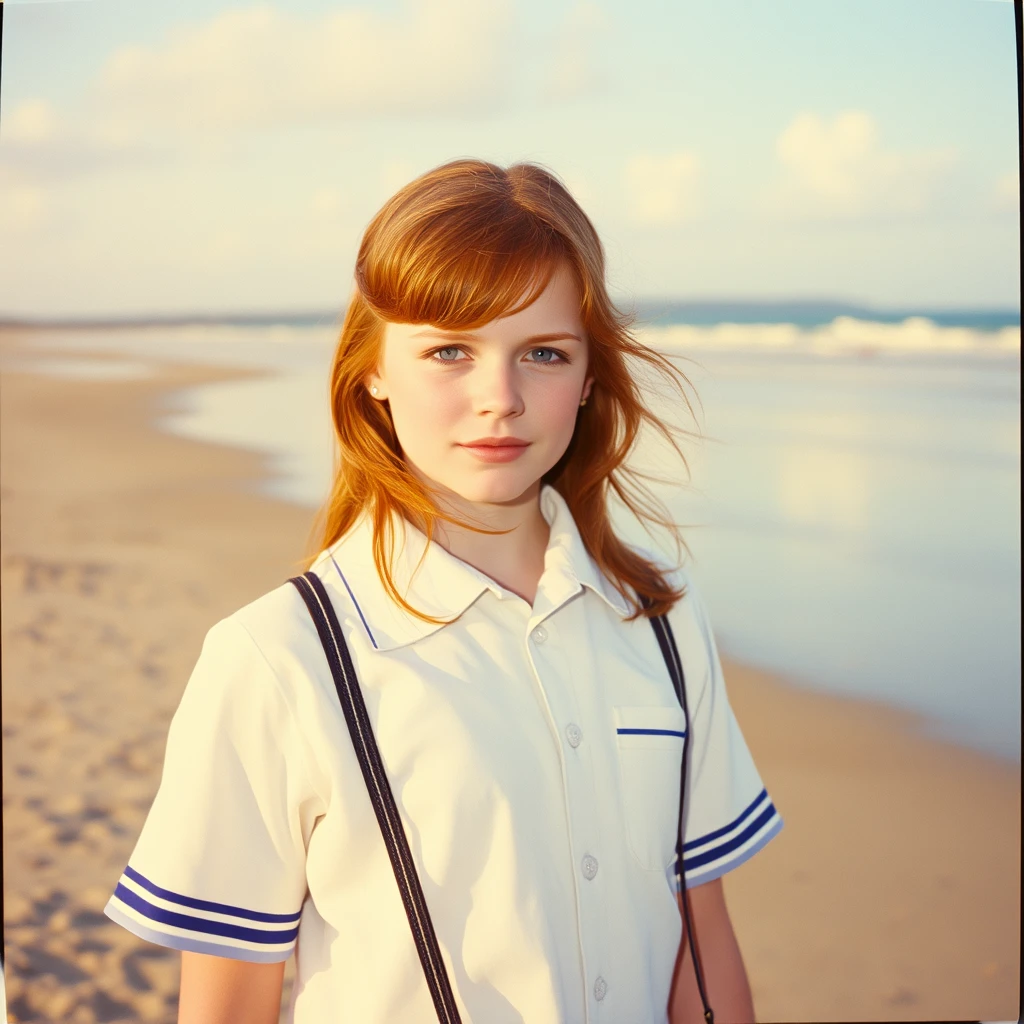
{"points": [[557, 405], [419, 405]]}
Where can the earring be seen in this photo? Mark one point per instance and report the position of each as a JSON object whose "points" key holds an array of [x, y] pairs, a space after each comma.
{"points": [[373, 391], [584, 402]]}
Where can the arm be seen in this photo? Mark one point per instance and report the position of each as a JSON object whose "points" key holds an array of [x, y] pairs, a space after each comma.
{"points": [[219, 990], [725, 978]]}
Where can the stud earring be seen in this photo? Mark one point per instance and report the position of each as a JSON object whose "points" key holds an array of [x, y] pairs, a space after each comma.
{"points": [[373, 391], [584, 402]]}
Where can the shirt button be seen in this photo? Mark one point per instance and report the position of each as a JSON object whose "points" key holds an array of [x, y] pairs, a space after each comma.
{"points": [[540, 634], [574, 734], [600, 988], [589, 866]]}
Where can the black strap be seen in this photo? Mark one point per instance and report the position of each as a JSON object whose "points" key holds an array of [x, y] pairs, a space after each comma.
{"points": [[347, 683], [669, 651]]}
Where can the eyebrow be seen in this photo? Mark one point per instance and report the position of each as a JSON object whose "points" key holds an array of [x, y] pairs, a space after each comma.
{"points": [[469, 336]]}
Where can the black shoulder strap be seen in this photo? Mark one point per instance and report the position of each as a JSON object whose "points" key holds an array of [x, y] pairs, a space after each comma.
{"points": [[669, 651], [347, 684]]}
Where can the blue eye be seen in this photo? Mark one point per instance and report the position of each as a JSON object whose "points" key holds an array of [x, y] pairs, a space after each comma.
{"points": [[561, 357], [448, 348]]}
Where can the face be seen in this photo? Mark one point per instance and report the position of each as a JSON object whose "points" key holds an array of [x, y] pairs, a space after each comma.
{"points": [[520, 377]]}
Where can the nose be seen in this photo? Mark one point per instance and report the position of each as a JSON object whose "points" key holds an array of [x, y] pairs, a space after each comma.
{"points": [[497, 389]]}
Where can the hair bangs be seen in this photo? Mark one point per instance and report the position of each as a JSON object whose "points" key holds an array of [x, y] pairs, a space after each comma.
{"points": [[462, 268]]}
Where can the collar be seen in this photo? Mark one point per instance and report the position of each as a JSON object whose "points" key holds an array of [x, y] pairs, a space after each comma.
{"points": [[444, 585]]}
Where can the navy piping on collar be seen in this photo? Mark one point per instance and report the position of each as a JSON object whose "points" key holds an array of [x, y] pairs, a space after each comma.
{"points": [[355, 602]]}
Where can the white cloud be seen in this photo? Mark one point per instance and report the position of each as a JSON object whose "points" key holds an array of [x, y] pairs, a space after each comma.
{"points": [[1006, 195], [840, 169], [662, 189], [260, 67], [29, 123], [175, 238], [38, 144]]}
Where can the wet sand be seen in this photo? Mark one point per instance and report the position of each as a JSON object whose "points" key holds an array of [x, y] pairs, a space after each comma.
{"points": [[893, 892]]}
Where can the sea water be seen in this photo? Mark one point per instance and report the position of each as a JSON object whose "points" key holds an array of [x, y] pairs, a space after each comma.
{"points": [[852, 509]]}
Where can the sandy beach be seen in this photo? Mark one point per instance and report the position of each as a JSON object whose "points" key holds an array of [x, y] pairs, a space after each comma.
{"points": [[893, 892]]}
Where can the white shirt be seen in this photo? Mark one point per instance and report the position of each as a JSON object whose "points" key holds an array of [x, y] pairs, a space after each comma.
{"points": [[534, 755]]}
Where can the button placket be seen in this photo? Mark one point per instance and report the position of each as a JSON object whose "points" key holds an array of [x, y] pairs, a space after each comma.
{"points": [[554, 669]]}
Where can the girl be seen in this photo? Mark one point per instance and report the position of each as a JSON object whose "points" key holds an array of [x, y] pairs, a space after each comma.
{"points": [[500, 633]]}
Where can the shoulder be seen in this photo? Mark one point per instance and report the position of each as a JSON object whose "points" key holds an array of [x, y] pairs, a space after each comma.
{"points": [[268, 647], [272, 620]]}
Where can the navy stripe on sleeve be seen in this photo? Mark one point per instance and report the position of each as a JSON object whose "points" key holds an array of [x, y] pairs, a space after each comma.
{"points": [[716, 853], [209, 905], [693, 844], [201, 924]]}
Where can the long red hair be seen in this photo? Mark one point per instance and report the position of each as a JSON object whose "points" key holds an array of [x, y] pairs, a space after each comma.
{"points": [[464, 244]]}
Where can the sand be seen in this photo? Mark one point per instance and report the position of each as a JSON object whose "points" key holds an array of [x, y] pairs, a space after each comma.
{"points": [[893, 892]]}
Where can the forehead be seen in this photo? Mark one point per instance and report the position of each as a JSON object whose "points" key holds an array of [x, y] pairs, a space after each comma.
{"points": [[560, 299], [557, 307]]}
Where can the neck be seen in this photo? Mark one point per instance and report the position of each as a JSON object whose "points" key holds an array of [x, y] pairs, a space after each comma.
{"points": [[514, 559]]}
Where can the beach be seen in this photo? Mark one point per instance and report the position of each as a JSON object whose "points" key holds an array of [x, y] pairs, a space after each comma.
{"points": [[892, 893]]}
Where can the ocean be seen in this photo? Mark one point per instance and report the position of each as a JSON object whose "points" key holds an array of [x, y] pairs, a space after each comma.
{"points": [[853, 506]]}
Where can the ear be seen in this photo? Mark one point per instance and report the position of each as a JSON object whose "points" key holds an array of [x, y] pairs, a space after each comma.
{"points": [[587, 385]]}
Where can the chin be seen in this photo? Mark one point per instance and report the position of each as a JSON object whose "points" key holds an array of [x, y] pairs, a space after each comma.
{"points": [[502, 488], [497, 485]]}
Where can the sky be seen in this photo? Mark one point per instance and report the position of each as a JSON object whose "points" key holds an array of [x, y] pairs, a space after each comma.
{"points": [[210, 157]]}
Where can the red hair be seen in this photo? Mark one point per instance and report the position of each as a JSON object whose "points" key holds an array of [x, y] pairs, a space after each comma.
{"points": [[464, 244]]}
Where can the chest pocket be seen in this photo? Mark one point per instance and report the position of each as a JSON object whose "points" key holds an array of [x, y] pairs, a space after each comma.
{"points": [[649, 743]]}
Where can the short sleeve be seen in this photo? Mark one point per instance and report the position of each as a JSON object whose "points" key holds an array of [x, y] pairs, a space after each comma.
{"points": [[729, 815], [220, 864]]}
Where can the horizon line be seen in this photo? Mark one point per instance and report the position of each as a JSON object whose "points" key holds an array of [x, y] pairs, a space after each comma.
{"points": [[651, 305]]}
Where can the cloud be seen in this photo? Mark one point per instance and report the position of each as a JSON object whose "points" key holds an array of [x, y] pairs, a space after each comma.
{"points": [[255, 68], [30, 123], [840, 169], [1006, 194], [209, 83], [662, 189], [38, 144]]}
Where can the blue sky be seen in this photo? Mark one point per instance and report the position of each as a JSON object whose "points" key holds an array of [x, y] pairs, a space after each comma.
{"points": [[207, 156]]}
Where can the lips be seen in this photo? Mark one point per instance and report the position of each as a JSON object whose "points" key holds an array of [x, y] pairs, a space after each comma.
{"points": [[496, 442], [496, 449]]}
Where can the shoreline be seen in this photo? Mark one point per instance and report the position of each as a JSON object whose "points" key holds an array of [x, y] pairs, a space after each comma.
{"points": [[891, 894]]}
